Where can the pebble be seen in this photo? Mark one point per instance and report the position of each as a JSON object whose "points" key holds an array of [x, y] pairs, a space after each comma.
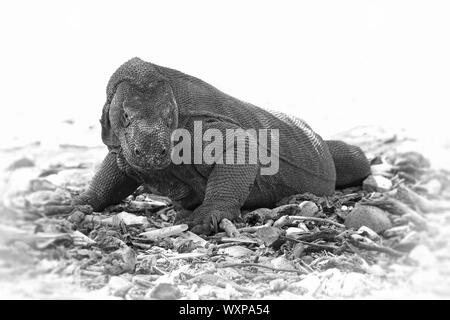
{"points": [[120, 261], [307, 259], [236, 251], [292, 231], [132, 219], [377, 184], [308, 209], [302, 225], [369, 216], [269, 235], [165, 291], [366, 231], [298, 250], [282, 263]]}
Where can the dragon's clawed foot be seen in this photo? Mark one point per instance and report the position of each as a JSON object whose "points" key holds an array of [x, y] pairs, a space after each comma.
{"points": [[203, 221]]}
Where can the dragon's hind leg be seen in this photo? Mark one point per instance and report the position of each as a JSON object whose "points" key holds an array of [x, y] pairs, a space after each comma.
{"points": [[352, 166]]}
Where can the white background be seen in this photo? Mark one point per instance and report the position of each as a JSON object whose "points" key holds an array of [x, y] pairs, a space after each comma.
{"points": [[336, 64]]}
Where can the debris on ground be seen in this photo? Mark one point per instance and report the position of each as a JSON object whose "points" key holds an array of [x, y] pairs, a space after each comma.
{"points": [[390, 235]]}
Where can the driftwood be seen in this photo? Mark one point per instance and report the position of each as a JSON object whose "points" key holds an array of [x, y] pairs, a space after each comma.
{"points": [[164, 232], [291, 219], [375, 247], [231, 265]]}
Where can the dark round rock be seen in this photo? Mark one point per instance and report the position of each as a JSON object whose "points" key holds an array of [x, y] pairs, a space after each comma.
{"points": [[369, 216]]}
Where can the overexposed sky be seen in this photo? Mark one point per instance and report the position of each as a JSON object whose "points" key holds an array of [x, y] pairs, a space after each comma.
{"points": [[336, 64]]}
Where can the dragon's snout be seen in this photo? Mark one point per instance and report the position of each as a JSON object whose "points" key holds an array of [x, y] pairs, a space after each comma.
{"points": [[162, 153], [150, 148], [157, 157]]}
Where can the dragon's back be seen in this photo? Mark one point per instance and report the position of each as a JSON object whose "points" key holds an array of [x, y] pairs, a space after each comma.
{"points": [[300, 148]]}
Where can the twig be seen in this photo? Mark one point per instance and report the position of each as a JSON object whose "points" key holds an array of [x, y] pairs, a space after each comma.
{"points": [[228, 244], [324, 234], [231, 265], [188, 255], [241, 239], [301, 218], [425, 205], [377, 248], [142, 245], [164, 232], [305, 267], [314, 245], [256, 228]]}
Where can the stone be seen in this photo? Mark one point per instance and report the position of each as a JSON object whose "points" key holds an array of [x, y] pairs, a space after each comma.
{"points": [[236, 251], [129, 219], [165, 291], [307, 259], [120, 261], [269, 235], [298, 250], [369, 216], [308, 209], [292, 231], [369, 233], [375, 183], [282, 263]]}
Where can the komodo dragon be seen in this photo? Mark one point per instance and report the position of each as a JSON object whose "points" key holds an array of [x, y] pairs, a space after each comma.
{"points": [[146, 103]]}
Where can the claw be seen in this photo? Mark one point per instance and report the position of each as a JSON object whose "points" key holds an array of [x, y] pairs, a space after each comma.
{"points": [[213, 224]]}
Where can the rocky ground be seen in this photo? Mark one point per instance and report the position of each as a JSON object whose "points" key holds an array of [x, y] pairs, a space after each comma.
{"points": [[388, 239]]}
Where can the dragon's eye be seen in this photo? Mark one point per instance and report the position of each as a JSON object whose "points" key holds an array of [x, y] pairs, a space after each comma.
{"points": [[126, 119]]}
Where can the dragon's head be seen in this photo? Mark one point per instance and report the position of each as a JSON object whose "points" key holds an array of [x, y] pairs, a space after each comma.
{"points": [[140, 115]]}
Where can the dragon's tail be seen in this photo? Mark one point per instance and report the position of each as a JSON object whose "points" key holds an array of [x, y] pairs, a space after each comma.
{"points": [[352, 166]]}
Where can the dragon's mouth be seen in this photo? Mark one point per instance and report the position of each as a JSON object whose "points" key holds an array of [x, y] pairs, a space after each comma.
{"points": [[146, 161], [161, 164], [151, 164]]}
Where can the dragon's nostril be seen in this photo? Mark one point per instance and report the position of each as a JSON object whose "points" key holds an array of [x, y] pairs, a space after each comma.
{"points": [[137, 152], [164, 152]]}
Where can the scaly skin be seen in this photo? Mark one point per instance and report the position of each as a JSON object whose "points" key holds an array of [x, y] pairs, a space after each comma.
{"points": [[146, 102]]}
